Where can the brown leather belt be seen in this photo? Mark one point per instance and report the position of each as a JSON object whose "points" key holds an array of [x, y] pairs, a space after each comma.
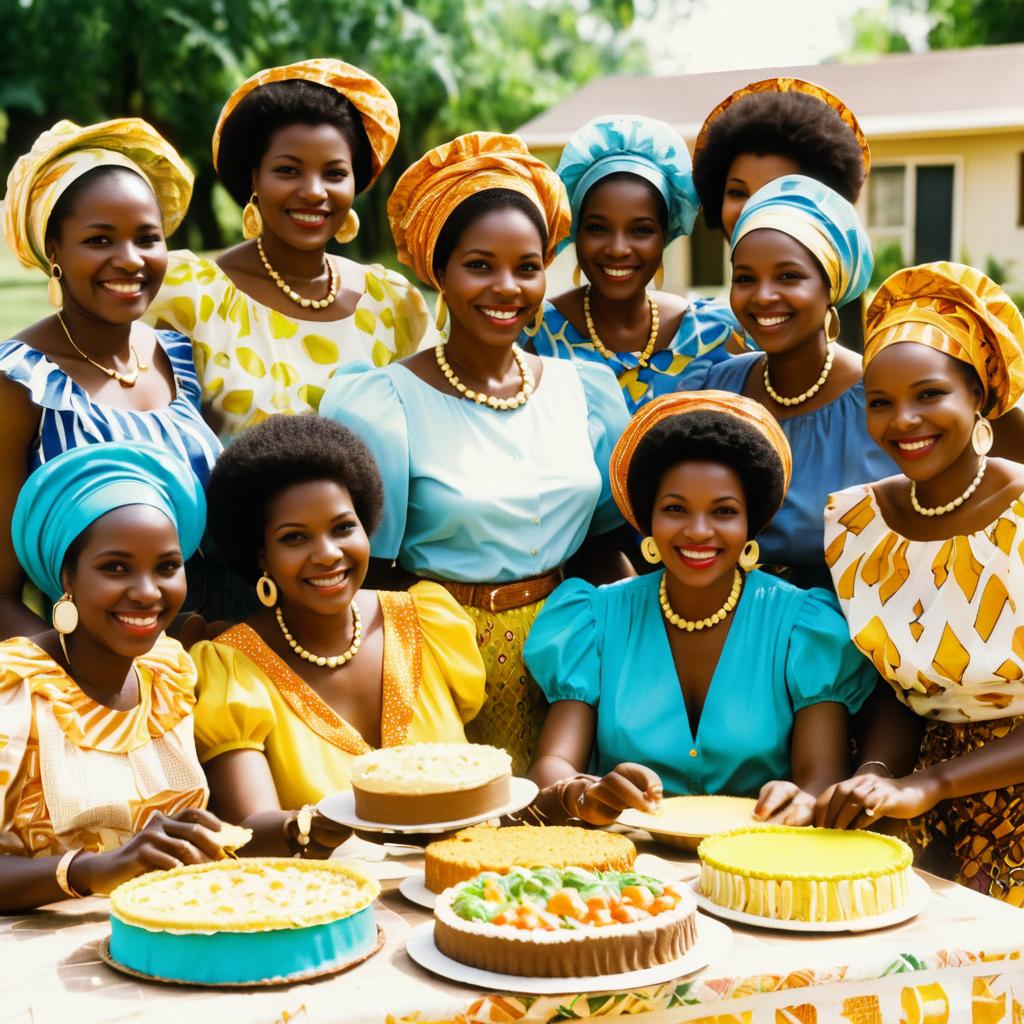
{"points": [[500, 597]]}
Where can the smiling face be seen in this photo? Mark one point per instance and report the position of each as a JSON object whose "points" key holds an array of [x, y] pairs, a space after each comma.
{"points": [[305, 184], [921, 407], [747, 173], [127, 578]]}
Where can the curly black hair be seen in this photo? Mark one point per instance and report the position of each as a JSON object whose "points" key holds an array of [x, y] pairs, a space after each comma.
{"points": [[247, 132], [65, 205], [659, 200], [266, 459], [789, 124], [479, 205], [706, 436]]}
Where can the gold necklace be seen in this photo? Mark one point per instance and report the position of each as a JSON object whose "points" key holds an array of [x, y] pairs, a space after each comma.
{"points": [[126, 380], [481, 398], [830, 354], [318, 659], [606, 353], [332, 276], [941, 510], [712, 620]]}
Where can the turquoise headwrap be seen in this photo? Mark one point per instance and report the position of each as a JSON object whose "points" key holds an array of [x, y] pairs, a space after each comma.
{"points": [[70, 492], [651, 149], [819, 219]]}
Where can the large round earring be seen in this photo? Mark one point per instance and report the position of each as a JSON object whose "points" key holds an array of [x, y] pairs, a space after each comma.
{"points": [[982, 437], [65, 615], [749, 556], [349, 228], [54, 290], [440, 312], [659, 277], [649, 549], [266, 591], [252, 219], [538, 321], [577, 276], [832, 325]]}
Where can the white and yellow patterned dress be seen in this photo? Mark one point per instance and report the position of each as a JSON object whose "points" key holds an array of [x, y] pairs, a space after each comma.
{"points": [[254, 362]]}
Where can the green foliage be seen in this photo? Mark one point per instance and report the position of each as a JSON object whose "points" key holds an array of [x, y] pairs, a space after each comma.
{"points": [[888, 259], [997, 269]]}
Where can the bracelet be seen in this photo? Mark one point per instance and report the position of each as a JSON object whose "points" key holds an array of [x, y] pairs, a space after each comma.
{"points": [[63, 865], [868, 764]]}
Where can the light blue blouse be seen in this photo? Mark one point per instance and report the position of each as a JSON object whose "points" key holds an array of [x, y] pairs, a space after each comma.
{"points": [[832, 450], [478, 495], [786, 650]]}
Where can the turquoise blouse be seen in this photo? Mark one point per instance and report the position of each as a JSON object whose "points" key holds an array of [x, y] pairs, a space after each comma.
{"points": [[478, 495], [787, 649]]}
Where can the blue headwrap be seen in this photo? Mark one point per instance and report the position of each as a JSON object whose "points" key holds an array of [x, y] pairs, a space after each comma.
{"points": [[71, 491], [822, 221], [651, 149]]}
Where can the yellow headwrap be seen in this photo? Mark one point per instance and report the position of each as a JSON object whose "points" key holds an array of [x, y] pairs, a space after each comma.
{"points": [[375, 104], [429, 191], [959, 311], [61, 155], [680, 404]]}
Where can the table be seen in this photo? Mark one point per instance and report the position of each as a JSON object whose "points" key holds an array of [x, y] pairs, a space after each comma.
{"points": [[961, 961]]}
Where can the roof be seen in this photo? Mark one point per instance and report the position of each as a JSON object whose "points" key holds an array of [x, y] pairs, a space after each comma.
{"points": [[941, 92]]}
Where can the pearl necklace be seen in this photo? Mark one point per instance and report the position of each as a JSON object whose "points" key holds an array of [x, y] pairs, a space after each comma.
{"points": [[299, 300], [336, 659], [606, 353], [811, 391], [126, 380], [481, 398], [712, 620], [941, 510]]}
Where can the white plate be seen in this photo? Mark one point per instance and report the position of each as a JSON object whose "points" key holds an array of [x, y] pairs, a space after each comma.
{"points": [[920, 893], [341, 807], [713, 939], [415, 890]]}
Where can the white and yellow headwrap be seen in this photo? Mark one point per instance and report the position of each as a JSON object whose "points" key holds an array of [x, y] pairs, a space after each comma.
{"points": [[61, 155]]}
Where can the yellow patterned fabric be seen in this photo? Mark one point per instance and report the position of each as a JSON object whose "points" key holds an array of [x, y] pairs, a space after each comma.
{"points": [[254, 362], [74, 773], [959, 311], [428, 193], [63, 153], [942, 620]]}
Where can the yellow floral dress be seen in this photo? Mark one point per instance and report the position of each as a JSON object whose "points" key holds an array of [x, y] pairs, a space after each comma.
{"points": [[254, 362], [76, 774], [943, 622]]}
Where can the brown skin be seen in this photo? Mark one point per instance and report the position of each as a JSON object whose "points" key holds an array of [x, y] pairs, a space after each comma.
{"points": [[700, 526], [915, 393], [112, 235], [747, 173]]}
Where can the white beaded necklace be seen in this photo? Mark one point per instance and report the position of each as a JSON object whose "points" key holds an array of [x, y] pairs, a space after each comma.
{"points": [[318, 659], [482, 398], [332, 277], [830, 355], [941, 510]]}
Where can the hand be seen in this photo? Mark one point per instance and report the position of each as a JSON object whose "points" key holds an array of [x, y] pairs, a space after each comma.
{"points": [[327, 834], [865, 799], [784, 803], [627, 785]]}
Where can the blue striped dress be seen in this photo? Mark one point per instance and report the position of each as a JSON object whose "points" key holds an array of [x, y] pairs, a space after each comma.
{"points": [[70, 418]]}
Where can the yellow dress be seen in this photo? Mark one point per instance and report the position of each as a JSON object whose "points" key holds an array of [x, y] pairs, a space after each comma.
{"points": [[76, 774], [249, 699], [254, 362]]}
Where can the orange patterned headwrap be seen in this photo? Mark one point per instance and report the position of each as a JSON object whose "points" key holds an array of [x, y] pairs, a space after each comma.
{"points": [[429, 191], [959, 311], [375, 104], [681, 404]]}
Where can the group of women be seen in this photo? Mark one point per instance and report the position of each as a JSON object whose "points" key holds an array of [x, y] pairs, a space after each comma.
{"points": [[645, 545]]}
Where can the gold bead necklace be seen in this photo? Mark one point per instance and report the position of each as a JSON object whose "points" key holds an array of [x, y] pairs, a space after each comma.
{"points": [[480, 397], [712, 620], [332, 276], [126, 380], [830, 355], [318, 659], [606, 353]]}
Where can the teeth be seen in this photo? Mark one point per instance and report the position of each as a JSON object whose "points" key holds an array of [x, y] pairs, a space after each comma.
{"points": [[122, 289], [771, 321], [138, 620], [702, 555], [617, 271], [501, 314], [913, 446], [310, 218], [329, 581]]}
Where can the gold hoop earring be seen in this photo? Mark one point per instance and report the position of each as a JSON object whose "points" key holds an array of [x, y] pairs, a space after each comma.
{"points": [[982, 437], [252, 220], [832, 325], [577, 276], [659, 277], [349, 229], [65, 615], [266, 591], [440, 312], [538, 321], [649, 549], [749, 556], [54, 290]]}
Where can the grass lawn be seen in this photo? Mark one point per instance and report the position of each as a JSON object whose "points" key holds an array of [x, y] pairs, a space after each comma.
{"points": [[22, 295]]}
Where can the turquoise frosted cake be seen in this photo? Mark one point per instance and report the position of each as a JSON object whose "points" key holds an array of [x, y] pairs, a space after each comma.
{"points": [[237, 922]]}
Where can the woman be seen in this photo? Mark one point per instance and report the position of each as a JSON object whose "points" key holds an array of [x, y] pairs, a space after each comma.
{"points": [[494, 462], [631, 194], [646, 670], [92, 372], [927, 565], [799, 251], [272, 318], [325, 670], [99, 780]]}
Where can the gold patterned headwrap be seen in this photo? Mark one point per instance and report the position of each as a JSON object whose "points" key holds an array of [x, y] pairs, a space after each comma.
{"points": [[61, 155], [682, 403], [819, 92], [376, 106], [959, 311], [428, 193]]}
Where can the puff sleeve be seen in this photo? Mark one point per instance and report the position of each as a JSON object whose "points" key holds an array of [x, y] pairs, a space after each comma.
{"points": [[15, 728], [411, 318], [607, 419]]}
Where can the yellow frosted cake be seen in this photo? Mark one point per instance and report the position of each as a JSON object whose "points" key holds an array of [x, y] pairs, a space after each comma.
{"points": [[816, 875]]}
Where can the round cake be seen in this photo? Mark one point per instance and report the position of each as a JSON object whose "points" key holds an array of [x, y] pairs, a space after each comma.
{"points": [[239, 922], [425, 783], [485, 848], [805, 874], [564, 923]]}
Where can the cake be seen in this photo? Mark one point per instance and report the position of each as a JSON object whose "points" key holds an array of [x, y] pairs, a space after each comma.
{"points": [[238, 922], [485, 848], [816, 875], [564, 922], [685, 820], [425, 783]]}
